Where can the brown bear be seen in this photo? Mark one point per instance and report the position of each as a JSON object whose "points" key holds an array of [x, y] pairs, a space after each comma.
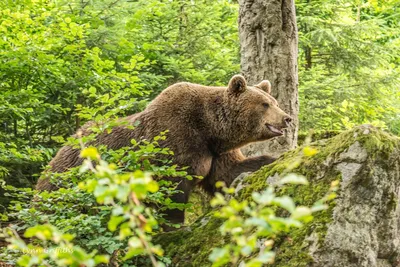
{"points": [[207, 126]]}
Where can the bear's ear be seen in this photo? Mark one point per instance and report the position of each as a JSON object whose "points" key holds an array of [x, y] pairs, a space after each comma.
{"points": [[265, 86], [237, 84]]}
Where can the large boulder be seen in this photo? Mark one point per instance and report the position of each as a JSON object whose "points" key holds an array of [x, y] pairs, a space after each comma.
{"points": [[361, 228]]}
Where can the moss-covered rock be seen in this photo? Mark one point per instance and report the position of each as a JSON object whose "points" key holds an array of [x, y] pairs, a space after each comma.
{"points": [[316, 135], [360, 228]]}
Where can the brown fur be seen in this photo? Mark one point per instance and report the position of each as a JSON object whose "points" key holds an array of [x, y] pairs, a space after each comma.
{"points": [[207, 126]]}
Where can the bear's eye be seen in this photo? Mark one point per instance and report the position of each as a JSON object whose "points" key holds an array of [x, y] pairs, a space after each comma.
{"points": [[265, 105]]}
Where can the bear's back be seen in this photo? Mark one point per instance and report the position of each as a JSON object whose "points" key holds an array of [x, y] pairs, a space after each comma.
{"points": [[185, 95], [182, 104]]}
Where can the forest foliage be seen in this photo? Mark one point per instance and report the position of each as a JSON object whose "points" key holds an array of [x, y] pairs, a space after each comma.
{"points": [[64, 63]]}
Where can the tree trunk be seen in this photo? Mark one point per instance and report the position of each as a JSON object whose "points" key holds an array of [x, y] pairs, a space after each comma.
{"points": [[268, 39]]}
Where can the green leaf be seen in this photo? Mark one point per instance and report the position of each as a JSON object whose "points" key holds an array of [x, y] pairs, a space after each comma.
{"points": [[301, 212], [114, 222], [101, 259], [90, 152], [92, 90], [219, 256], [285, 202], [293, 178]]}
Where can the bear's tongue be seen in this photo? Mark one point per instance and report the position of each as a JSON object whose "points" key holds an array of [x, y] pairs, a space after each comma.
{"points": [[274, 130]]}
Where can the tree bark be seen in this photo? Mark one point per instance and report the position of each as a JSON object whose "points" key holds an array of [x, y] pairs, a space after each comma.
{"points": [[268, 40]]}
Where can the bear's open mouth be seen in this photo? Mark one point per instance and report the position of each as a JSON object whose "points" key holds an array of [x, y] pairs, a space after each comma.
{"points": [[274, 129]]}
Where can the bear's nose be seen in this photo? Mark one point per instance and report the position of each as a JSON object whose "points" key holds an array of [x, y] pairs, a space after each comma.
{"points": [[288, 120]]}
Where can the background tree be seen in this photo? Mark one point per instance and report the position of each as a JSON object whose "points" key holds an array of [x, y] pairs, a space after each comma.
{"points": [[268, 40], [349, 64]]}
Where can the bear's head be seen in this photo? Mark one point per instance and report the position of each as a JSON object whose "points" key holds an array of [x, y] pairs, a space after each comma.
{"points": [[257, 115]]}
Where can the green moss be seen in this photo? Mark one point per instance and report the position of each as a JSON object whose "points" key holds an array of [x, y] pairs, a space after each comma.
{"points": [[375, 141], [292, 249], [192, 245], [200, 205]]}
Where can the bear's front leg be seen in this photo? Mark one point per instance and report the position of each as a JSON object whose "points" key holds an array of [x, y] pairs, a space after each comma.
{"points": [[228, 166], [199, 164], [251, 164]]}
